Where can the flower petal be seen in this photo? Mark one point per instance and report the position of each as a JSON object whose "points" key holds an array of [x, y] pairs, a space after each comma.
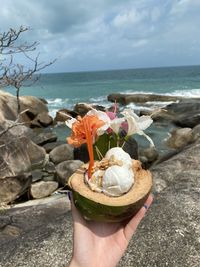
{"points": [[70, 122], [144, 122], [116, 124]]}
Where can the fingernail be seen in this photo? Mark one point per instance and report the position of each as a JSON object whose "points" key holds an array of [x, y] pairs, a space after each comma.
{"points": [[145, 206], [69, 195]]}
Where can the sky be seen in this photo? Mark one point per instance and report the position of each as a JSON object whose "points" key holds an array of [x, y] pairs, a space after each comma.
{"points": [[88, 35]]}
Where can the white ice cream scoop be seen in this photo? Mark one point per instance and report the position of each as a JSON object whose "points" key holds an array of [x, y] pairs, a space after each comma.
{"points": [[119, 154], [117, 180]]}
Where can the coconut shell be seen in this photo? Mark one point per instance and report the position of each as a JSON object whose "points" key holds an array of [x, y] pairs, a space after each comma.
{"points": [[100, 207]]}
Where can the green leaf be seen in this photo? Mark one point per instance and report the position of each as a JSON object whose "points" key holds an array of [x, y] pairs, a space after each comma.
{"points": [[104, 143]]}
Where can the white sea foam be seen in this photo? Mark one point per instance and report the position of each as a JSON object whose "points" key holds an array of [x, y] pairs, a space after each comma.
{"points": [[192, 93], [159, 103], [59, 103], [137, 92], [56, 101], [195, 93], [52, 112], [98, 99]]}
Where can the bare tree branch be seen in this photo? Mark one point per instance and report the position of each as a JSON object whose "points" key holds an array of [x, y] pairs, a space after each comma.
{"points": [[14, 74]]}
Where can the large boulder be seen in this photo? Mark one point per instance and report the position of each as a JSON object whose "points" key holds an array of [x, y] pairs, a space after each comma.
{"points": [[180, 137], [18, 157], [37, 154], [44, 138], [8, 106], [42, 119], [15, 167], [64, 114], [33, 104], [190, 119], [126, 99], [182, 169]]}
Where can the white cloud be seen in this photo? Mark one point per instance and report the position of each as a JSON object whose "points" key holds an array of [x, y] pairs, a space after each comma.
{"points": [[108, 33], [128, 17], [155, 14]]}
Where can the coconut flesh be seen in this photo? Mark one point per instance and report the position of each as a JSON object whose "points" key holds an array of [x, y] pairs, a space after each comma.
{"points": [[113, 176]]}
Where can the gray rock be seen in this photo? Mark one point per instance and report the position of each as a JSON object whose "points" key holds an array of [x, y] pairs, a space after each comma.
{"points": [[196, 133], [49, 177], [36, 175], [36, 154], [13, 187], [184, 106], [190, 119], [172, 171], [33, 104], [180, 138], [43, 119], [14, 158], [61, 153], [45, 236], [125, 99], [64, 114], [15, 166], [82, 108], [44, 138], [66, 169], [50, 146], [150, 154], [131, 147], [50, 167], [43, 189], [8, 106]]}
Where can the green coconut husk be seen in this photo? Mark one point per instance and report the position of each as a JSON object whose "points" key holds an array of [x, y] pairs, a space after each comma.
{"points": [[100, 207]]}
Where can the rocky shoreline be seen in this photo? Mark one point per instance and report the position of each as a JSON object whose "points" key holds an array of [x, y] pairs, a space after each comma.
{"points": [[35, 165]]}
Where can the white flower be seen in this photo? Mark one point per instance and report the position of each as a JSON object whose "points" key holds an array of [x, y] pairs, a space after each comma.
{"points": [[102, 116], [116, 124], [113, 124], [137, 124], [70, 122]]}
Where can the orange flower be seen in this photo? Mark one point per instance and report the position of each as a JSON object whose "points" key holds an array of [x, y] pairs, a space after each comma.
{"points": [[78, 136], [84, 130]]}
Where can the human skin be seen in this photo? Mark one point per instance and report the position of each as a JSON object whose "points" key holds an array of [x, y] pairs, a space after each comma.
{"points": [[98, 244]]}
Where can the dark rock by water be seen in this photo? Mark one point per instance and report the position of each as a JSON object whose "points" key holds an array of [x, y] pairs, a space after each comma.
{"points": [[126, 99]]}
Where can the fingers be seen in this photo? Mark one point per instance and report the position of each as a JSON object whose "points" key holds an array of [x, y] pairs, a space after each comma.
{"points": [[132, 225]]}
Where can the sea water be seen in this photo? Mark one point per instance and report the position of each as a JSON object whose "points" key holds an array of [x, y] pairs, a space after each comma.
{"points": [[64, 90]]}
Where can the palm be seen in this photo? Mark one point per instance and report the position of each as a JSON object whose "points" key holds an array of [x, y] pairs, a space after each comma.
{"points": [[102, 244]]}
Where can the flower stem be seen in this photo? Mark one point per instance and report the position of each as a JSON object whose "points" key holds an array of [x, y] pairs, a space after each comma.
{"points": [[100, 156], [90, 148]]}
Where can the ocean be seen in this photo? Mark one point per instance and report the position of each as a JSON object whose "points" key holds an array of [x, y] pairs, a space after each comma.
{"points": [[64, 90]]}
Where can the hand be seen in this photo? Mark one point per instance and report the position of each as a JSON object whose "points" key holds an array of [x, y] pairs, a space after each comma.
{"points": [[99, 244]]}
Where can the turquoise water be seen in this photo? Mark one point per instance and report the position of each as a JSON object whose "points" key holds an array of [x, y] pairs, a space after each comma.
{"points": [[63, 90]]}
